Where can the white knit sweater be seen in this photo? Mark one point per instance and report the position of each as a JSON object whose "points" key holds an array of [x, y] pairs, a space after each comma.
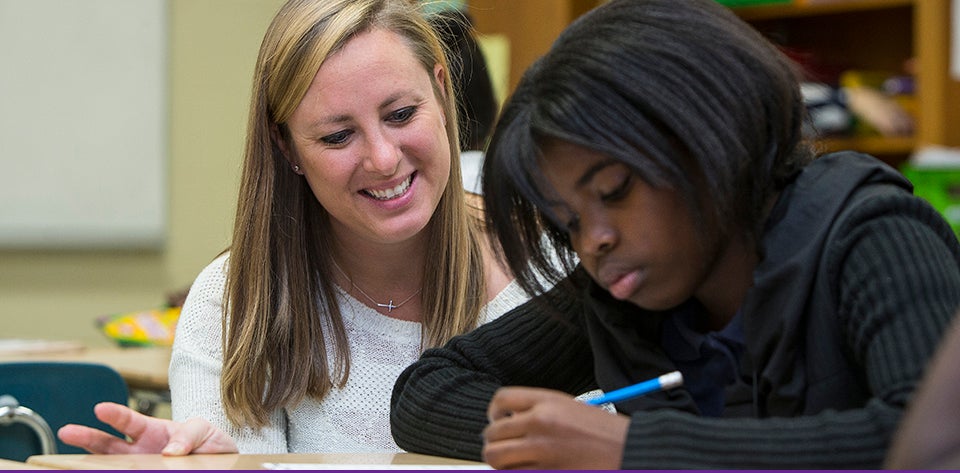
{"points": [[353, 419]]}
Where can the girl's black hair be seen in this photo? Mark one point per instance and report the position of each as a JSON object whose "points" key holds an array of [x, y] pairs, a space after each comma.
{"points": [[684, 92]]}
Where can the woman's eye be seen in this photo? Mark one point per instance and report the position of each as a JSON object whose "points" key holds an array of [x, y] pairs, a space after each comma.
{"points": [[618, 192], [402, 115], [337, 138]]}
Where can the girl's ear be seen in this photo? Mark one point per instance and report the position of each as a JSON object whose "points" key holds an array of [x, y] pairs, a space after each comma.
{"points": [[278, 138]]}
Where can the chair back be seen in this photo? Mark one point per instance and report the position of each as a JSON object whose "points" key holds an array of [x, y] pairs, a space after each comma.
{"points": [[58, 393]]}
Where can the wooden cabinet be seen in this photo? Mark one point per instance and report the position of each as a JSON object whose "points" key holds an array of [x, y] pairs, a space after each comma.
{"points": [[876, 35], [529, 25], [860, 34]]}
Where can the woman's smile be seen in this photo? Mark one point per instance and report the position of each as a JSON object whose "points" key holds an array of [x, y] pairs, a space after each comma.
{"points": [[393, 192]]}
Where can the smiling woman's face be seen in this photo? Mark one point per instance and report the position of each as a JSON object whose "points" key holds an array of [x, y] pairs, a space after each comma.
{"points": [[369, 138], [638, 242]]}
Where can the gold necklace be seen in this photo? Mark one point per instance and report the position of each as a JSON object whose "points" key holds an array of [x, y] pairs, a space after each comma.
{"points": [[389, 305]]}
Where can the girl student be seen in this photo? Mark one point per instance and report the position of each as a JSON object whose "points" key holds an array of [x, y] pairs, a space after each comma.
{"points": [[658, 148]]}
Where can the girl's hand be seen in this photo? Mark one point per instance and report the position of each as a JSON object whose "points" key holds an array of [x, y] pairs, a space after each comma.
{"points": [[147, 434], [533, 428]]}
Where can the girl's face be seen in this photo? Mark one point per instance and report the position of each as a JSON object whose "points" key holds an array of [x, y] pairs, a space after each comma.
{"points": [[638, 242], [369, 138]]}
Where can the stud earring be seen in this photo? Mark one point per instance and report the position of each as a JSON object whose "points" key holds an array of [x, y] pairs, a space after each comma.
{"points": [[296, 169]]}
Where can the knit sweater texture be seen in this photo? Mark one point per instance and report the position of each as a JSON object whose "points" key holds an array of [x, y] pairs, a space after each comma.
{"points": [[354, 418], [858, 281]]}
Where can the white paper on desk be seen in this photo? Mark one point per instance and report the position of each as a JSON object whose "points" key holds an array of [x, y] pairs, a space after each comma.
{"points": [[336, 466], [21, 346]]}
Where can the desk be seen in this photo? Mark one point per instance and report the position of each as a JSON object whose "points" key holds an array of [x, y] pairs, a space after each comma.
{"points": [[235, 461], [143, 368], [14, 465]]}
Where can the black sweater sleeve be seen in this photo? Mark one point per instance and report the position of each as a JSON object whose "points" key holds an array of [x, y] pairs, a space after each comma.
{"points": [[439, 404], [897, 284]]}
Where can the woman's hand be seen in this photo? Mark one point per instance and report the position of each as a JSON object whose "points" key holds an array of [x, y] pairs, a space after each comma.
{"points": [[532, 428], [147, 434]]}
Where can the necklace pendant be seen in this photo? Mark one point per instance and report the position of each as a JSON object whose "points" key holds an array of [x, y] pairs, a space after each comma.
{"points": [[388, 305]]}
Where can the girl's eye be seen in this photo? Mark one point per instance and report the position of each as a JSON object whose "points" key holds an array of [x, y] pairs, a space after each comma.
{"points": [[337, 138], [573, 224], [402, 115], [619, 192]]}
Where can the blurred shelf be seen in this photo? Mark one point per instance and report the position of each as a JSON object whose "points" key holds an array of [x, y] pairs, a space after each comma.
{"points": [[893, 36], [882, 35], [815, 7], [876, 145]]}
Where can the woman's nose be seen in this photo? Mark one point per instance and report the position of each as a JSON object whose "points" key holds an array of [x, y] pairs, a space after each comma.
{"points": [[382, 155]]}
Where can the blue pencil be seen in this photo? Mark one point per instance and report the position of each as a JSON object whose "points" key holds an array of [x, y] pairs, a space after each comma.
{"points": [[667, 381]]}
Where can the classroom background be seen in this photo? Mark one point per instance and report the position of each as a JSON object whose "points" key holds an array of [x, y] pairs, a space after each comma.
{"points": [[58, 293]]}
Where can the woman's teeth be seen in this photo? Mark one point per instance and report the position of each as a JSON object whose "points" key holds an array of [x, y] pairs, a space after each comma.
{"points": [[387, 194]]}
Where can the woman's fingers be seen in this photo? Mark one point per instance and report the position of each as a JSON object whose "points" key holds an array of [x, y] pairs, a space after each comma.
{"points": [[127, 421], [147, 434], [92, 440], [198, 436]]}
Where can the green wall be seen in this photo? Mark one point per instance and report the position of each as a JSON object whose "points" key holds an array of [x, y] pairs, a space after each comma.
{"points": [[57, 294]]}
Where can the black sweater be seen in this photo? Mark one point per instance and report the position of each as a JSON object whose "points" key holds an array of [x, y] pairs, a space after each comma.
{"points": [[857, 282]]}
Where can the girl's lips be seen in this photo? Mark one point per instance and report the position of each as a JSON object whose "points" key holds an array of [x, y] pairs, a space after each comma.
{"points": [[624, 285]]}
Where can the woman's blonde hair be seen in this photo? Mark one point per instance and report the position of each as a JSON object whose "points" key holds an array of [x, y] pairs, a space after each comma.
{"points": [[278, 288]]}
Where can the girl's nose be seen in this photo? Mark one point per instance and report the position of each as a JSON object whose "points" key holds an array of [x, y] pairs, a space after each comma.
{"points": [[597, 236]]}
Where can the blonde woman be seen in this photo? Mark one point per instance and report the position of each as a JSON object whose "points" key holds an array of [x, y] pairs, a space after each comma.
{"points": [[353, 248]]}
